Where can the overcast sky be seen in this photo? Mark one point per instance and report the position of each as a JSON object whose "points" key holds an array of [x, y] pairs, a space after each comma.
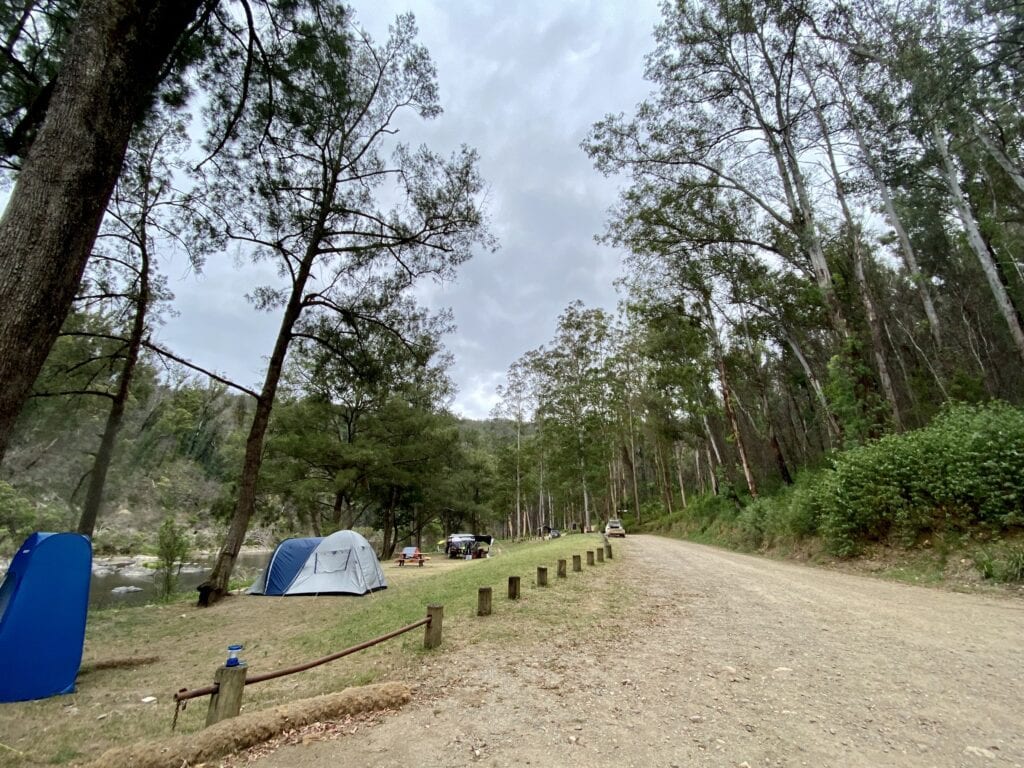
{"points": [[522, 82]]}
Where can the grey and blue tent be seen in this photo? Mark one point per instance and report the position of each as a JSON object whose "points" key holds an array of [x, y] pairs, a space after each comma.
{"points": [[342, 563]]}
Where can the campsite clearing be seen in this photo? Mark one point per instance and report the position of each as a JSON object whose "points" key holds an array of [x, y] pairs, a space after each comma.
{"points": [[133, 654]]}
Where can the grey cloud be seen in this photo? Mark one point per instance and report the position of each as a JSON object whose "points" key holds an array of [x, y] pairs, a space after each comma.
{"points": [[522, 83]]}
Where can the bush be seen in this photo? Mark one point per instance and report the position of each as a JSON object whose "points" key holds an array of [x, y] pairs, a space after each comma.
{"points": [[172, 550], [966, 468], [19, 517], [1006, 565]]}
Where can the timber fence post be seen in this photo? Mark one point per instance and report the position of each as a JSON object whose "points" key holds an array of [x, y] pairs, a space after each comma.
{"points": [[227, 700], [590, 557], [542, 576], [432, 635], [608, 551], [483, 602], [577, 565], [561, 569], [600, 554], [513, 587]]}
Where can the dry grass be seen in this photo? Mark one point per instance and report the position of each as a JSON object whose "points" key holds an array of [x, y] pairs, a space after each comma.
{"points": [[134, 653]]}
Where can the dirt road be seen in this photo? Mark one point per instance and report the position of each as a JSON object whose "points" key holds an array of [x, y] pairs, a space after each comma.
{"points": [[727, 660]]}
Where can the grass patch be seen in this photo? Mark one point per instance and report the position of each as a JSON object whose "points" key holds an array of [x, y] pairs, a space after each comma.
{"points": [[180, 645]]}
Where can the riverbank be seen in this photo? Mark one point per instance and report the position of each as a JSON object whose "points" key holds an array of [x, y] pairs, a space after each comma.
{"points": [[120, 581]]}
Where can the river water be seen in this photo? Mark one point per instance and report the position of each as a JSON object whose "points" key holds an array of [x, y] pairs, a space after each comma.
{"points": [[120, 573]]}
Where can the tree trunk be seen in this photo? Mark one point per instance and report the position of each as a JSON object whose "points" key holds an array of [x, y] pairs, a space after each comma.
{"points": [[985, 258], [389, 535], [773, 442], [112, 64], [217, 585], [105, 453], [663, 477], [906, 248], [711, 439], [730, 412], [632, 461], [835, 432], [1000, 157], [711, 472], [678, 453], [780, 143], [519, 493], [857, 254]]}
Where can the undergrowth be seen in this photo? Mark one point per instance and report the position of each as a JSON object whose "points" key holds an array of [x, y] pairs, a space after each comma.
{"points": [[963, 473]]}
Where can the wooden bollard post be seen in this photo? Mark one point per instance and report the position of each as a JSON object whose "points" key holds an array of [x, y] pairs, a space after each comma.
{"points": [[542, 576], [432, 635], [590, 557], [577, 564], [600, 554], [227, 701], [608, 551], [483, 602], [561, 569], [513, 587]]}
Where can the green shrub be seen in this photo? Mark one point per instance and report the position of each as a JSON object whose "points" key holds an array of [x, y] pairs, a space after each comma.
{"points": [[1002, 565], [1013, 567], [752, 523], [19, 516], [985, 562], [796, 511], [966, 468], [172, 550], [117, 541]]}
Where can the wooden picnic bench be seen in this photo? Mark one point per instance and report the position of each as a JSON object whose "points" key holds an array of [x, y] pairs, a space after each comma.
{"points": [[407, 556]]}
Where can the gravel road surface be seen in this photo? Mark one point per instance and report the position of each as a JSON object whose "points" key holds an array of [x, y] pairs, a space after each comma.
{"points": [[724, 659]]}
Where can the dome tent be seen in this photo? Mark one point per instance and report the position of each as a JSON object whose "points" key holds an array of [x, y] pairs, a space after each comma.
{"points": [[342, 563]]}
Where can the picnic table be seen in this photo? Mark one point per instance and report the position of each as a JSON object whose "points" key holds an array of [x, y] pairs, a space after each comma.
{"points": [[411, 555]]}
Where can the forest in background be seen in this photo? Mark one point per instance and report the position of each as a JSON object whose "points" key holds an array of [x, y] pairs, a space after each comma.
{"points": [[819, 334]]}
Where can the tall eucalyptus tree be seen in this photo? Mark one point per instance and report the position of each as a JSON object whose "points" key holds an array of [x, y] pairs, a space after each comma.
{"points": [[308, 186], [75, 80]]}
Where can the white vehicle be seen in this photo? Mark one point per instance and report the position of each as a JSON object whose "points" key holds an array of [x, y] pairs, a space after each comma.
{"points": [[614, 528]]}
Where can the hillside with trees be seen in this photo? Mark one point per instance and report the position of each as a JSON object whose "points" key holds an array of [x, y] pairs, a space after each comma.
{"points": [[819, 334]]}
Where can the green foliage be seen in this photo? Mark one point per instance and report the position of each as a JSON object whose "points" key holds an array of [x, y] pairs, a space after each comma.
{"points": [[963, 472], [172, 550], [1004, 564], [967, 468], [853, 396], [117, 541], [19, 517]]}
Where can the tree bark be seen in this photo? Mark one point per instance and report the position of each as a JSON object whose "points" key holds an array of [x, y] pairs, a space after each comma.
{"points": [[105, 452], [985, 258], [857, 254], [730, 411], [835, 432], [632, 460], [214, 588], [711, 472], [678, 453], [664, 483], [1000, 157], [906, 247], [112, 64]]}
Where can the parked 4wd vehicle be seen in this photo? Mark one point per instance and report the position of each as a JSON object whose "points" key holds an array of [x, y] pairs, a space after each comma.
{"points": [[614, 528], [468, 546]]}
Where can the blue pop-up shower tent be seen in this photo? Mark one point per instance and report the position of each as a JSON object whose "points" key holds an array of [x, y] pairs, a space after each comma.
{"points": [[44, 600]]}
